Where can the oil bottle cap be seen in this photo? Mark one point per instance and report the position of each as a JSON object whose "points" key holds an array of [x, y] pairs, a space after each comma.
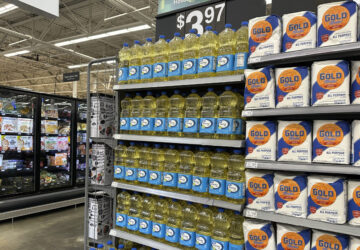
{"points": [[176, 91], [132, 143], [111, 248], [161, 37], [148, 195], [157, 145], [135, 192], [208, 28], [237, 151], [220, 150], [210, 89], [163, 92], [189, 202], [192, 31], [137, 42], [148, 39], [215, 32], [149, 93], [205, 206], [168, 40], [121, 246], [172, 146], [237, 212], [244, 23], [134, 248], [177, 34], [121, 142], [228, 25], [221, 210], [109, 242], [193, 91], [126, 45], [91, 248], [100, 246], [146, 144], [174, 200], [187, 147], [138, 93], [202, 148], [228, 88], [127, 95]]}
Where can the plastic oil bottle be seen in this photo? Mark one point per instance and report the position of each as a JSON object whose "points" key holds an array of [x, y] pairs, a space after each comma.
{"points": [[236, 233], [204, 228], [161, 114], [144, 162], [147, 61], [125, 114], [220, 233], [209, 114], [218, 173], [174, 221], [148, 114], [176, 114], [156, 166], [135, 63], [226, 124], [242, 48], [187, 163], [161, 50], [146, 215], [235, 181], [122, 209], [191, 55], [201, 172], [193, 105], [134, 212], [136, 112], [226, 52], [171, 168], [176, 50], [132, 163], [189, 222], [161, 213], [119, 162], [208, 46], [239, 122], [124, 64]]}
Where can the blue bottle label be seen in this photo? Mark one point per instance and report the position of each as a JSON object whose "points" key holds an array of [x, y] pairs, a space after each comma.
{"points": [[146, 71], [155, 177], [123, 74], [235, 190], [175, 68], [172, 234], [184, 181], [190, 66], [145, 226], [225, 63], [124, 123], [241, 60], [225, 126], [191, 125], [170, 179], [217, 186], [187, 238], [121, 220], [206, 64], [143, 175], [134, 73], [147, 124], [236, 247], [158, 230], [203, 242], [134, 123], [133, 223], [208, 125], [174, 124], [219, 245], [119, 172], [239, 126], [160, 124], [130, 174], [160, 70], [200, 184]]}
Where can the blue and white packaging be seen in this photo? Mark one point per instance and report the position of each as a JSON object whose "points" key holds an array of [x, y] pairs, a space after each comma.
{"points": [[299, 31], [292, 87], [354, 243], [292, 237], [291, 194], [258, 235], [325, 240], [337, 23], [294, 141], [355, 143], [260, 190], [355, 82], [330, 83], [354, 202], [259, 88], [327, 199]]}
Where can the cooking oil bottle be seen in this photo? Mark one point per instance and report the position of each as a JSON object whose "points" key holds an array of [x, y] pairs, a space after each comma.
{"points": [[122, 209], [242, 48], [176, 114], [173, 222], [161, 213], [156, 166], [119, 162], [201, 172], [124, 64], [189, 222], [226, 123], [146, 215], [135, 63], [136, 111], [171, 168], [239, 121], [236, 233], [161, 50], [147, 61], [226, 52], [208, 46], [148, 114], [204, 228], [235, 181], [191, 55], [220, 233], [132, 163], [144, 162], [134, 212], [125, 114], [187, 163], [192, 114], [209, 114], [218, 173], [161, 114], [176, 50]]}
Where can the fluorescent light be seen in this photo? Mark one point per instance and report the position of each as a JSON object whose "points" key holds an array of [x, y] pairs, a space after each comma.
{"points": [[86, 64], [268, 1], [11, 44], [124, 14], [7, 8], [103, 35], [17, 53]]}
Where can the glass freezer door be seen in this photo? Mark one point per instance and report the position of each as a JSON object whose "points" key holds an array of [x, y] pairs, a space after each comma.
{"points": [[81, 143]]}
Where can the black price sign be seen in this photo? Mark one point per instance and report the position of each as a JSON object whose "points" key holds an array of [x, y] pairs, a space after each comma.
{"points": [[211, 15]]}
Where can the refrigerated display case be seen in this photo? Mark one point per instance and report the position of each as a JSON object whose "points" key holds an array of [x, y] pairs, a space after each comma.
{"points": [[81, 142]]}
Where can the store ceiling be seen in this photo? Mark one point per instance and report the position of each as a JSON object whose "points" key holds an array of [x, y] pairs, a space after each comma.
{"points": [[41, 69]]}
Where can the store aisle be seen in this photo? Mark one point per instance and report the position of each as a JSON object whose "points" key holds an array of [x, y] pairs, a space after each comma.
{"points": [[59, 230]]}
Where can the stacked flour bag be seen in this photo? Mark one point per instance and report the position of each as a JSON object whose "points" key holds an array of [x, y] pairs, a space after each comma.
{"points": [[261, 140], [354, 243], [355, 82], [337, 23], [355, 143], [292, 237], [330, 83], [260, 88], [260, 190], [299, 31], [291, 194], [354, 202], [259, 235], [327, 199], [292, 87], [324, 240], [294, 141], [264, 36], [331, 142]]}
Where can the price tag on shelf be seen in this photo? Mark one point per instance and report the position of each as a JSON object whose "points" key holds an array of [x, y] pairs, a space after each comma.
{"points": [[254, 59], [247, 113], [251, 164], [250, 213]]}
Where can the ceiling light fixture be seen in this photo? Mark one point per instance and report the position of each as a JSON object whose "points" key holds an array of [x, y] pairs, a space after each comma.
{"points": [[17, 53], [21, 41], [86, 64], [124, 14], [7, 8]]}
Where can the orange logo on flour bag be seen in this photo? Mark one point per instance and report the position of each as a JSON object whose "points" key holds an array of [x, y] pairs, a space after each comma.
{"points": [[323, 194], [328, 242], [256, 82], [298, 27], [288, 190], [336, 18], [330, 135], [330, 77], [294, 134], [261, 31], [289, 80], [259, 134], [292, 241], [258, 186], [258, 239], [356, 198], [358, 76]]}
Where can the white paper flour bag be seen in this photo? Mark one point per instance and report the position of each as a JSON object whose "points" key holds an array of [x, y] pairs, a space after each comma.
{"points": [[259, 235], [337, 23], [292, 87], [329, 241], [355, 143], [327, 199], [290, 194], [355, 82], [354, 202], [331, 142], [260, 190], [259, 90], [294, 141], [292, 237], [354, 243], [330, 83], [261, 140], [264, 36], [299, 31]]}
